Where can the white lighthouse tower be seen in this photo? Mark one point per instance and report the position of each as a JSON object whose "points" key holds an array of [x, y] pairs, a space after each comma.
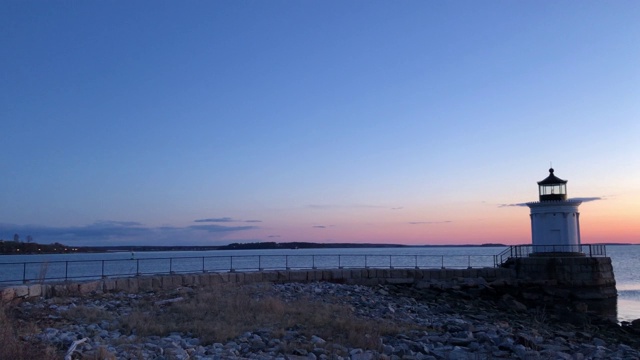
{"points": [[555, 221]]}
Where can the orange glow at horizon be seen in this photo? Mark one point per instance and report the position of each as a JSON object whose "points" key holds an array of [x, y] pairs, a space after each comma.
{"points": [[606, 220]]}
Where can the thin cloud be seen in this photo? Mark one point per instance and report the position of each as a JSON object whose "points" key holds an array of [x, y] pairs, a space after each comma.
{"points": [[121, 232], [512, 205], [429, 222], [397, 208], [583, 199], [100, 230], [347, 206], [222, 219], [225, 219], [319, 226], [117, 223], [273, 236], [220, 228], [587, 199]]}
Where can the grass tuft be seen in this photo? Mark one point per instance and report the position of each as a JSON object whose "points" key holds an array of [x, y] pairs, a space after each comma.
{"points": [[13, 347], [87, 315]]}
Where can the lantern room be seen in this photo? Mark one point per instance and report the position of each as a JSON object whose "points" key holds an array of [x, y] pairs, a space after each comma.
{"points": [[552, 188]]}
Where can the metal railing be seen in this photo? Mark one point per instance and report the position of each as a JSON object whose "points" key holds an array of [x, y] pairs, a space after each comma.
{"points": [[517, 251], [30, 272]]}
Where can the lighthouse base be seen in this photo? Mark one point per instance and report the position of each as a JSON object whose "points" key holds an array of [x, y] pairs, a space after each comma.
{"points": [[571, 277], [557, 254]]}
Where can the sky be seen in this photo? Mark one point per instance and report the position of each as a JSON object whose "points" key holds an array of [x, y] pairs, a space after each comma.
{"points": [[408, 122]]}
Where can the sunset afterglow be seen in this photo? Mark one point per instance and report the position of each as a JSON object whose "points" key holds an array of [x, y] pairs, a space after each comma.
{"points": [[206, 123]]}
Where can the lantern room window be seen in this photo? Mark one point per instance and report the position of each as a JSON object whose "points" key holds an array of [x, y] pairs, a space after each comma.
{"points": [[553, 189]]}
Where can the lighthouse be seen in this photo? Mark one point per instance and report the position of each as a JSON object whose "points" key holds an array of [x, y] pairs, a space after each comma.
{"points": [[555, 267], [555, 220]]}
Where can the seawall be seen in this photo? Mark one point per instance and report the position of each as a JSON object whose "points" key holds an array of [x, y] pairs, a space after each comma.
{"points": [[532, 278], [571, 277], [164, 282]]}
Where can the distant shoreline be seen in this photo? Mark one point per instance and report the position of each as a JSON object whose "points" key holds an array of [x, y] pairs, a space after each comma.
{"points": [[21, 248], [271, 245]]}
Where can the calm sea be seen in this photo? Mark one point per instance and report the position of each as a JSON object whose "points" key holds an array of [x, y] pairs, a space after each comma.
{"points": [[625, 260]]}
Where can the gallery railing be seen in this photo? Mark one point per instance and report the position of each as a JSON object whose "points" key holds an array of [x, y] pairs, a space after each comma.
{"points": [[33, 272], [516, 251]]}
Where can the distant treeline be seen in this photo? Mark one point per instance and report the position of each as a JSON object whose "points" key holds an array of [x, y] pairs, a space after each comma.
{"points": [[267, 246], [15, 247], [299, 245], [18, 247]]}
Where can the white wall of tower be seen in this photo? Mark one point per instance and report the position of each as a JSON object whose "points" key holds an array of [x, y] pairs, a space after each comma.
{"points": [[555, 223]]}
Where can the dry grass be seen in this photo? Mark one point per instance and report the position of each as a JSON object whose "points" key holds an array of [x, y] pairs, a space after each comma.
{"points": [[11, 345], [42, 274], [222, 314], [87, 315], [101, 353], [211, 315]]}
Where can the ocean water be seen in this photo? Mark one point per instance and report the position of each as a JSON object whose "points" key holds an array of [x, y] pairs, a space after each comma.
{"points": [[625, 259], [626, 267]]}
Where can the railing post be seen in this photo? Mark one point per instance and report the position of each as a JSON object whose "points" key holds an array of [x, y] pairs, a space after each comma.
{"points": [[339, 261], [230, 263], [415, 257], [259, 262], [137, 267], [66, 270], [203, 265], [390, 264], [170, 265], [442, 261], [469, 262], [287, 261], [313, 261], [24, 273], [102, 271]]}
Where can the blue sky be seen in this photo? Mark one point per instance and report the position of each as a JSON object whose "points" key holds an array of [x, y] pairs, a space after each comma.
{"points": [[334, 121]]}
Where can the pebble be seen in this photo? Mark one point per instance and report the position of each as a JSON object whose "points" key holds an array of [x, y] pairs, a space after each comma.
{"points": [[458, 329]]}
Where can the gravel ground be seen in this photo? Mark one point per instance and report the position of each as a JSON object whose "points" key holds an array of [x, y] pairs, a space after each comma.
{"points": [[459, 321]]}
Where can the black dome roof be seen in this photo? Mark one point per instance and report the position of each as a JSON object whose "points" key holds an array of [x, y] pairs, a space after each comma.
{"points": [[552, 179]]}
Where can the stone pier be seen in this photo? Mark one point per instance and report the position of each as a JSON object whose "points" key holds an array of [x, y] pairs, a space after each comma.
{"points": [[532, 278], [571, 277], [163, 282]]}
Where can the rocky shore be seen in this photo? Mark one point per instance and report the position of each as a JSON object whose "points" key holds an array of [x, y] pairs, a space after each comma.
{"points": [[465, 321]]}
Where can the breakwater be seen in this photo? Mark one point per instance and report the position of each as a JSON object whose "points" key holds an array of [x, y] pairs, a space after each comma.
{"points": [[171, 281], [535, 278]]}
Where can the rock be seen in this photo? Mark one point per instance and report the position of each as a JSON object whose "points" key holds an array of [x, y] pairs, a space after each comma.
{"points": [[300, 351], [317, 340], [20, 291], [448, 323], [598, 342], [510, 302]]}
